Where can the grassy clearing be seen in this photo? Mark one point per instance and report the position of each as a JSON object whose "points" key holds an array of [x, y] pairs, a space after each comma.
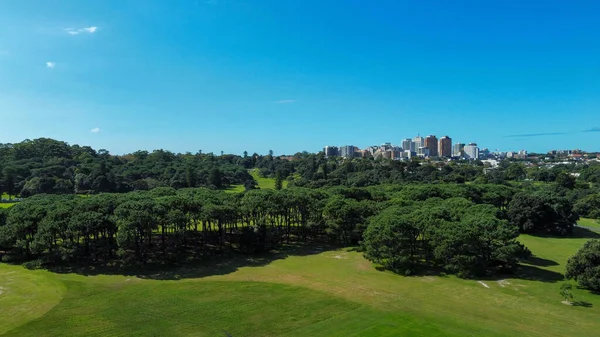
{"points": [[265, 183], [235, 189], [314, 293], [6, 204], [592, 223]]}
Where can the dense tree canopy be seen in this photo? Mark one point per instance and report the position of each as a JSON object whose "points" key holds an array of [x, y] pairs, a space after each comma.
{"points": [[542, 212], [584, 266], [88, 206]]}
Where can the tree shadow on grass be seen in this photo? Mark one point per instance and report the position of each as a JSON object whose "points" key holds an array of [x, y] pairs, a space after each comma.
{"points": [[533, 273], [214, 265], [578, 233], [540, 262], [583, 304]]}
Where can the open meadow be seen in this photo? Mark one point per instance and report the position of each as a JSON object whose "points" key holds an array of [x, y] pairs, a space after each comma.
{"points": [[300, 291], [263, 183]]}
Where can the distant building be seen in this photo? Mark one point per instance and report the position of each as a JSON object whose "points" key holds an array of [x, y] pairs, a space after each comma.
{"points": [[418, 142], [408, 145], [331, 151], [423, 152], [458, 150], [445, 147], [431, 142], [348, 151], [471, 151]]}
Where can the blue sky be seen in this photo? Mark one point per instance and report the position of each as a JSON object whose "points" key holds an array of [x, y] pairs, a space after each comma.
{"points": [[288, 75]]}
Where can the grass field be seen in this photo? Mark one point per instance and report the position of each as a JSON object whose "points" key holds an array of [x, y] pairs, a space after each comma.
{"points": [[263, 183], [592, 223], [5, 205], [301, 292]]}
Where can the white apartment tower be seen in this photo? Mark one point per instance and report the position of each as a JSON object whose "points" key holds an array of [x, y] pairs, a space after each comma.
{"points": [[471, 151]]}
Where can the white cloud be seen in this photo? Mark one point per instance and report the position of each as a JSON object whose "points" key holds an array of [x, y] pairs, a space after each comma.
{"points": [[77, 31], [50, 65], [95, 130], [286, 101]]}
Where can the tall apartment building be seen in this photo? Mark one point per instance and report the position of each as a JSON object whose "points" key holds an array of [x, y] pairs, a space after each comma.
{"points": [[418, 142], [408, 145], [457, 150], [347, 151], [423, 152], [445, 147], [471, 151], [331, 151], [431, 142]]}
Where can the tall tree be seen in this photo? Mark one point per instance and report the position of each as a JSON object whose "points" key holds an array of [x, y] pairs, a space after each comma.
{"points": [[278, 180], [584, 266]]}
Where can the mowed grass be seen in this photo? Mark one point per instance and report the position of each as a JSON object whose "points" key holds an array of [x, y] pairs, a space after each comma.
{"points": [[592, 223], [320, 293], [6, 204], [263, 183]]}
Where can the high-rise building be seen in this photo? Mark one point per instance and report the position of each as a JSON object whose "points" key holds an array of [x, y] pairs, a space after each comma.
{"points": [[431, 142], [408, 145], [418, 142], [445, 147], [471, 151], [423, 152], [331, 151], [347, 151], [458, 149]]}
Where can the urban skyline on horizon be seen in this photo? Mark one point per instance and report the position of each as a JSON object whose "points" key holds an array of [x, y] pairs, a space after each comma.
{"points": [[428, 146]]}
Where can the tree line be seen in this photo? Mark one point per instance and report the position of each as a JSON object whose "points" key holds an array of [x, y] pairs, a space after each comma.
{"points": [[465, 229]]}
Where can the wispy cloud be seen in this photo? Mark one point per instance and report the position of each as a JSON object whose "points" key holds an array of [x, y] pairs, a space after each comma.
{"points": [[594, 129], [286, 101], [77, 31], [50, 65], [538, 134], [95, 130]]}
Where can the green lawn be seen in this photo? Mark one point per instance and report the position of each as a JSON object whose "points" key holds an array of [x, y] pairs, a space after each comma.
{"points": [[6, 205], [235, 189], [263, 183], [593, 223], [309, 293]]}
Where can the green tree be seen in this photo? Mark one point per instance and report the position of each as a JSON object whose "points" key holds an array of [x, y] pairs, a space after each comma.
{"points": [[392, 241], [215, 178], [565, 180], [588, 206], [278, 180], [566, 292], [584, 266], [542, 212]]}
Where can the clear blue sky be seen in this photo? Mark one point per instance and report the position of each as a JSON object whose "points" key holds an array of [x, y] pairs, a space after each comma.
{"points": [[291, 75]]}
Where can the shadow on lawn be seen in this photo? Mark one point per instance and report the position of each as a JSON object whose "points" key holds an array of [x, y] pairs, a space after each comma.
{"points": [[208, 266], [582, 304], [540, 262], [578, 233]]}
